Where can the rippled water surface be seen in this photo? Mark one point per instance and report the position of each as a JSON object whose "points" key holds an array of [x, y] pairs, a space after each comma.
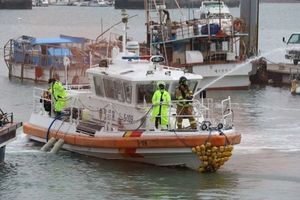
{"points": [[264, 166]]}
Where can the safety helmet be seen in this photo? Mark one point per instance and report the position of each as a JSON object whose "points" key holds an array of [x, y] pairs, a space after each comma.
{"points": [[182, 80], [161, 85], [51, 80]]}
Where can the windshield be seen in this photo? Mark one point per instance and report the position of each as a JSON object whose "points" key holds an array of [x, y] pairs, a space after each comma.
{"points": [[294, 39]]}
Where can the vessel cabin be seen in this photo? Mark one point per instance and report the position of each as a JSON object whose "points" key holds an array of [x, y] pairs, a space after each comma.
{"points": [[48, 52], [134, 81]]}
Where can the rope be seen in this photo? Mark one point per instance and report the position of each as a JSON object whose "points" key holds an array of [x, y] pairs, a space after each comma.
{"points": [[120, 117], [177, 4], [48, 131]]}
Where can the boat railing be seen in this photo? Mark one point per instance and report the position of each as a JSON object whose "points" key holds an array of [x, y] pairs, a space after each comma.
{"points": [[77, 87], [6, 118], [40, 99], [192, 28], [204, 111]]}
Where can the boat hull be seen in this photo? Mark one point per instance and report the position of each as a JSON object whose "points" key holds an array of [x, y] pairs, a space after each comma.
{"points": [[162, 148], [224, 76], [75, 75]]}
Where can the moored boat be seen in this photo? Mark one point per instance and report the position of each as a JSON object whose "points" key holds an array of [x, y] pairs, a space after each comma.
{"points": [[66, 58], [209, 43]]}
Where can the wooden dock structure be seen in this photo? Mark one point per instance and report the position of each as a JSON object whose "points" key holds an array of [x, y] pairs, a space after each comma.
{"points": [[8, 130], [282, 73]]}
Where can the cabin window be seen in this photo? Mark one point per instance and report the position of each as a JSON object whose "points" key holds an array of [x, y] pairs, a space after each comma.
{"points": [[119, 92], [145, 92], [109, 88], [98, 86], [192, 86], [128, 92], [294, 39]]}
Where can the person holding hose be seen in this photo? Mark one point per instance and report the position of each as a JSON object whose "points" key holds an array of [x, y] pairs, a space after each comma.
{"points": [[184, 105]]}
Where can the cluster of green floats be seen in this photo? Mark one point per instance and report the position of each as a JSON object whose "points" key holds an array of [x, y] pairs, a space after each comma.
{"points": [[212, 157]]}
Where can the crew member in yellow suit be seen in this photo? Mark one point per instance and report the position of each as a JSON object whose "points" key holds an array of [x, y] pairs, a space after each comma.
{"points": [[184, 105], [161, 100], [58, 94]]}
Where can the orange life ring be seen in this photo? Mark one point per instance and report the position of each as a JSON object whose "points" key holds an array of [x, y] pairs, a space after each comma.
{"points": [[75, 80], [38, 72]]}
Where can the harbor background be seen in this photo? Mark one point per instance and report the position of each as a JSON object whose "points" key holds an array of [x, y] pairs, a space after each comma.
{"points": [[264, 166]]}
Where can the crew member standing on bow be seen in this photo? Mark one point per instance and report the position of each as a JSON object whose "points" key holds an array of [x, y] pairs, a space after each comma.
{"points": [[161, 102], [58, 94], [184, 105]]}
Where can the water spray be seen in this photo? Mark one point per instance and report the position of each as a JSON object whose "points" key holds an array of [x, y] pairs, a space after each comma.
{"points": [[234, 69]]}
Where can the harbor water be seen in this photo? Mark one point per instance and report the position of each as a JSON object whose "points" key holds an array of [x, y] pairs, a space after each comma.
{"points": [[264, 166]]}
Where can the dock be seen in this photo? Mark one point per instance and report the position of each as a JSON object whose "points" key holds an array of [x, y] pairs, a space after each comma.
{"points": [[8, 130], [282, 73]]}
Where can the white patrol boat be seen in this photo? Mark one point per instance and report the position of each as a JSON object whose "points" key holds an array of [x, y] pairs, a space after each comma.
{"points": [[111, 119]]}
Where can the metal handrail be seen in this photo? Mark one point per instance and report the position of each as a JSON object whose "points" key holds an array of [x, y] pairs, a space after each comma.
{"points": [[203, 111]]}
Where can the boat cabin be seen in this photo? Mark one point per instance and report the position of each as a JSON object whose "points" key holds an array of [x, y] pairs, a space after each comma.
{"points": [[46, 52], [137, 83]]}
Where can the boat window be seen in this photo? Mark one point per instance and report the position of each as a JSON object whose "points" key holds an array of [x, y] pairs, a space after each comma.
{"points": [[128, 92], [192, 86], [119, 92], [294, 39], [98, 86], [109, 88], [145, 92]]}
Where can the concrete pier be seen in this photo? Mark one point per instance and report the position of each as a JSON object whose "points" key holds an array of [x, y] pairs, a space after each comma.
{"points": [[15, 4]]}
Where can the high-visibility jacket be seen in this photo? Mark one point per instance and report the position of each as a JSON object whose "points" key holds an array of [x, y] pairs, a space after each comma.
{"points": [[184, 95], [161, 100], [59, 95]]}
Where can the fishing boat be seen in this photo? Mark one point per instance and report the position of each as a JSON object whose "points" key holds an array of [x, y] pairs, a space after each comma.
{"points": [[209, 43], [7, 131], [112, 118], [65, 57], [43, 3], [217, 12]]}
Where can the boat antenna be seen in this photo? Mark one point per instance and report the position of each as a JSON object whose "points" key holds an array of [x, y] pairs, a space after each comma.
{"points": [[220, 20], [124, 21], [99, 36]]}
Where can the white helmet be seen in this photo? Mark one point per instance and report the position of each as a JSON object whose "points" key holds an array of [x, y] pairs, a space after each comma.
{"points": [[161, 85]]}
